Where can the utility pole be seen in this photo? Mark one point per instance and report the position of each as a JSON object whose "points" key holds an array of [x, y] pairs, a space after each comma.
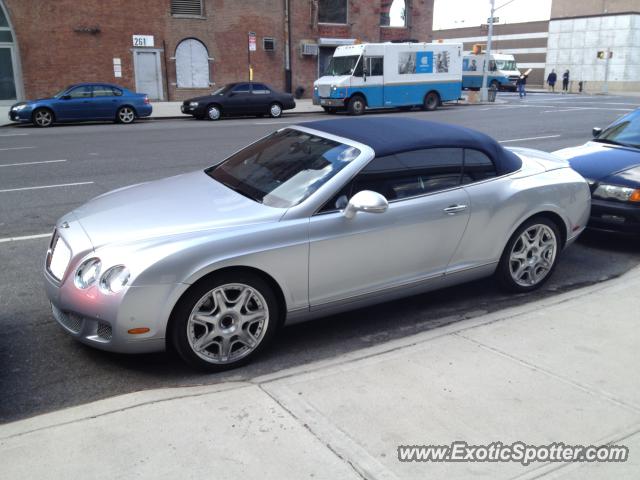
{"points": [[605, 85], [487, 57]]}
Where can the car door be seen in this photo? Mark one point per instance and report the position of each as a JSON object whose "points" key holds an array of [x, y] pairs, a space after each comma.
{"points": [[237, 101], [74, 104], [261, 98], [104, 102], [373, 81], [412, 241]]}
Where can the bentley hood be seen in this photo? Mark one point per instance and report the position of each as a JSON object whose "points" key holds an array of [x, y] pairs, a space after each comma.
{"points": [[191, 202]]}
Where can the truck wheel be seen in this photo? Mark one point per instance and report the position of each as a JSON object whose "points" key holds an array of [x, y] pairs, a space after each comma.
{"points": [[356, 105], [431, 101]]}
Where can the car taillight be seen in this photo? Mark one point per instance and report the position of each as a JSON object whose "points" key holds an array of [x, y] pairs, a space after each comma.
{"points": [[146, 99]]}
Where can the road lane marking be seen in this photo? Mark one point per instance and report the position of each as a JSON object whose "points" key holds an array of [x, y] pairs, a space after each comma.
{"points": [[27, 237], [45, 186], [577, 109], [16, 148], [528, 138], [30, 163], [13, 134]]}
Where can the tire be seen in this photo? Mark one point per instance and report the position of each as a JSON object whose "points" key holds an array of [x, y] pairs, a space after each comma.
{"points": [[126, 115], [214, 113], [356, 105], [275, 110], [431, 101], [42, 118], [235, 334], [530, 256]]}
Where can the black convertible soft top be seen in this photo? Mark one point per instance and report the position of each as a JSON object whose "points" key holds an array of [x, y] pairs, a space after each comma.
{"points": [[390, 135]]}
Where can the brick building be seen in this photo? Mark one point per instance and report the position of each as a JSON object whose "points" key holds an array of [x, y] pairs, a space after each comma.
{"points": [[175, 49]]}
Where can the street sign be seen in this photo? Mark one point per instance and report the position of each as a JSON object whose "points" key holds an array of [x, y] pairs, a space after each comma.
{"points": [[252, 41], [143, 40], [495, 19]]}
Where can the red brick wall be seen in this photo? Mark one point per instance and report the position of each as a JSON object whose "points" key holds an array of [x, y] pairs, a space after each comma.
{"points": [[53, 55]]}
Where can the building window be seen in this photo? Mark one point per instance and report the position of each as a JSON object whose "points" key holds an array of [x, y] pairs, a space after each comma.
{"points": [[192, 64], [332, 11], [393, 13], [191, 8], [269, 44]]}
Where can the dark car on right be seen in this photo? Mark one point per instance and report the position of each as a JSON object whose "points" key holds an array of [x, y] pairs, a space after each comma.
{"points": [[240, 99], [610, 162]]}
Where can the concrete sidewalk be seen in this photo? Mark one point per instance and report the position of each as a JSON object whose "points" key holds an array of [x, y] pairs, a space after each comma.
{"points": [[562, 369]]}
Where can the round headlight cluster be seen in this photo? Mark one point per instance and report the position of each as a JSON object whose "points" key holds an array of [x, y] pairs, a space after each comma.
{"points": [[113, 280]]}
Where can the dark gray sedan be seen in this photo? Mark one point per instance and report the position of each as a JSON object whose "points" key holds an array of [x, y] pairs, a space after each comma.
{"points": [[247, 98]]}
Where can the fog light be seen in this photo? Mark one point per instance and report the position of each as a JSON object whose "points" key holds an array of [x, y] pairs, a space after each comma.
{"points": [[138, 331]]}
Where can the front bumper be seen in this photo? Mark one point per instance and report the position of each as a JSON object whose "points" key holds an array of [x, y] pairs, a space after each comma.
{"points": [[328, 102], [615, 217], [103, 320], [23, 115]]}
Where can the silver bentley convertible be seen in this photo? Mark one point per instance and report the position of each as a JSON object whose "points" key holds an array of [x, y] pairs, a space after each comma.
{"points": [[310, 220]]}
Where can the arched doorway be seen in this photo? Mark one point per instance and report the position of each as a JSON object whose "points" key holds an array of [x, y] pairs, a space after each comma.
{"points": [[10, 87], [192, 64]]}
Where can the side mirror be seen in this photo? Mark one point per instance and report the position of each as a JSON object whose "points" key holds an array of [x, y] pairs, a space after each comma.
{"points": [[596, 131], [366, 201], [66, 97]]}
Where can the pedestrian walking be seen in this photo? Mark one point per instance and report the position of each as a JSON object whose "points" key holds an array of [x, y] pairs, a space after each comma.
{"points": [[521, 83], [551, 80], [565, 82]]}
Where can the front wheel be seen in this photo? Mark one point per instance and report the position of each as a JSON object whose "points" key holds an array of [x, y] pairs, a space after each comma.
{"points": [[356, 106], [530, 256], [42, 117], [431, 101], [213, 112], [275, 110], [125, 115], [224, 322]]}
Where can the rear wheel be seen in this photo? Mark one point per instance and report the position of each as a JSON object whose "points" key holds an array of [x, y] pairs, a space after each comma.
{"points": [[225, 321], [125, 115], [431, 101], [530, 255], [42, 117], [356, 105]]}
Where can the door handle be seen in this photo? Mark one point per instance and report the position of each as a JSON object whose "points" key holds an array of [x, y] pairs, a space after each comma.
{"points": [[453, 209]]}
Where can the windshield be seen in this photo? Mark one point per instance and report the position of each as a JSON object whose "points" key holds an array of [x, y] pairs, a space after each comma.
{"points": [[284, 168], [221, 90], [626, 132], [509, 65], [61, 92], [342, 65]]}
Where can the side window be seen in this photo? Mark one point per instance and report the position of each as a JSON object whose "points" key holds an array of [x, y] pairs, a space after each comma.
{"points": [[376, 66], [102, 91], [357, 72], [117, 92], [406, 175], [260, 89], [242, 88], [81, 92], [477, 166]]}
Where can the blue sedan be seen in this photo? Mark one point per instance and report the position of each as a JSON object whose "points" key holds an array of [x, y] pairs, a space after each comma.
{"points": [[83, 101], [611, 164]]}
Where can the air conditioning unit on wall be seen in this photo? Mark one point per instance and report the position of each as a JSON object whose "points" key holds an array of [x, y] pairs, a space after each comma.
{"points": [[309, 49]]}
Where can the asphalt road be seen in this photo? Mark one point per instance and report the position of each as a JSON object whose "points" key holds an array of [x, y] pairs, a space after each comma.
{"points": [[45, 173]]}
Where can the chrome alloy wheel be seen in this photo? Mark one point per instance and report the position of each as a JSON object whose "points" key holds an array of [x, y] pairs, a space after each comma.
{"points": [[275, 110], [213, 112], [533, 255], [43, 118], [227, 323], [126, 115]]}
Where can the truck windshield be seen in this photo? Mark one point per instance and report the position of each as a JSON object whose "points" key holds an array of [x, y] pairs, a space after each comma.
{"points": [[342, 65], [509, 65]]}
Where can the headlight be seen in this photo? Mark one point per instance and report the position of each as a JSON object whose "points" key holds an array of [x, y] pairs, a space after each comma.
{"points": [[87, 273], [334, 88], [193, 104], [315, 87], [615, 192], [20, 107], [114, 279]]}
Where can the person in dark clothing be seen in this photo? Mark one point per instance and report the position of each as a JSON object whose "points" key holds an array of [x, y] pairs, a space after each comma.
{"points": [[565, 81], [551, 80], [521, 84]]}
